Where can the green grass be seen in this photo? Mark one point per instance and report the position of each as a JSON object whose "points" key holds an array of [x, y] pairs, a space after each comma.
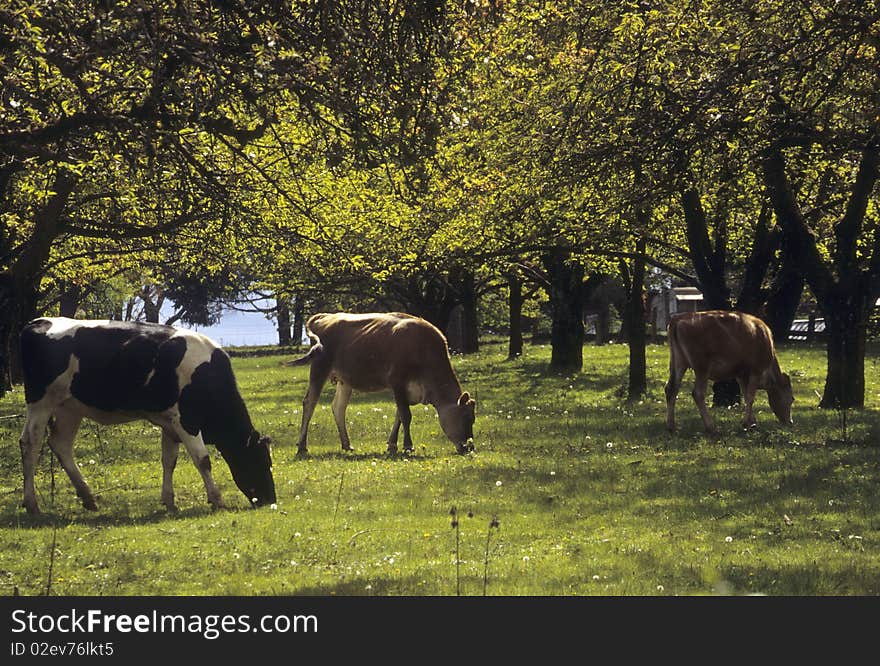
{"points": [[593, 496]]}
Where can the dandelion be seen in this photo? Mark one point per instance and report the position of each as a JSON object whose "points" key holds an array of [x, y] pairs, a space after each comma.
{"points": [[273, 506], [526, 558], [660, 588], [728, 539], [91, 461], [595, 576], [297, 534], [609, 445], [498, 483], [552, 473]]}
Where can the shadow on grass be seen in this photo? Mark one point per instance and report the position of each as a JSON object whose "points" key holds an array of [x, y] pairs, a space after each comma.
{"points": [[358, 455], [802, 580], [389, 586], [15, 517]]}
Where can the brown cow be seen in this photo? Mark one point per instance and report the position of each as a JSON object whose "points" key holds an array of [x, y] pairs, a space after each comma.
{"points": [[720, 346], [372, 352]]}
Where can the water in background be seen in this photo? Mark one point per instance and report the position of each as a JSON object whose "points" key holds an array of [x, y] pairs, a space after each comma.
{"points": [[236, 328]]}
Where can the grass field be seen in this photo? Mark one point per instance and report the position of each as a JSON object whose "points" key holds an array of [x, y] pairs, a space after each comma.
{"points": [[592, 496]]}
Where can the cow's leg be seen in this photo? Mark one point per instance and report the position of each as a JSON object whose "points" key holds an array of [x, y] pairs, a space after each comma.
{"points": [[317, 378], [701, 384], [197, 450], [404, 415], [30, 442], [748, 387], [339, 405], [672, 388], [395, 432], [170, 451], [62, 432]]}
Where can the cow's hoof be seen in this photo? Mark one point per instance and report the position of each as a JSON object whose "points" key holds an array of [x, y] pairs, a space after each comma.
{"points": [[392, 451], [89, 503], [348, 449], [31, 508], [302, 453], [170, 506]]}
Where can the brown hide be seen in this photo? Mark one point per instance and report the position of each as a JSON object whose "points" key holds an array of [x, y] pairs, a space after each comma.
{"points": [[372, 352], [376, 351], [721, 345]]}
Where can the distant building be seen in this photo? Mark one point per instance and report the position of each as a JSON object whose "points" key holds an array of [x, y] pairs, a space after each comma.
{"points": [[666, 301]]}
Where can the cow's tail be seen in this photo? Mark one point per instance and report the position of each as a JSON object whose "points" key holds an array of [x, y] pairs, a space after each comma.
{"points": [[672, 339], [315, 352]]}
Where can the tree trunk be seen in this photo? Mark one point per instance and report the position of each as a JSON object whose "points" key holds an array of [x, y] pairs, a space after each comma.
{"points": [[846, 294], [299, 309], [751, 295], [845, 328], [785, 296], [470, 322], [152, 309], [566, 303], [283, 311], [68, 301], [431, 299], [709, 264], [19, 286], [462, 327], [515, 305], [635, 324], [7, 326]]}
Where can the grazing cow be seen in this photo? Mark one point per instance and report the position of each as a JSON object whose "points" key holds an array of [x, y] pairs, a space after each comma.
{"points": [[371, 352], [720, 346], [114, 372]]}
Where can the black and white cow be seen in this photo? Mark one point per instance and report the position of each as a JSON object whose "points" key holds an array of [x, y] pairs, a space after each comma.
{"points": [[114, 372]]}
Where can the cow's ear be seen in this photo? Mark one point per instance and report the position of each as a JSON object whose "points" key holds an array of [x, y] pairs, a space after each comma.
{"points": [[463, 398], [266, 441]]}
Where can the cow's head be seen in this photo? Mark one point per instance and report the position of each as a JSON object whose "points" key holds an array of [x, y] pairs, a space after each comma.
{"points": [[781, 396], [457, 421], [251, 467]]}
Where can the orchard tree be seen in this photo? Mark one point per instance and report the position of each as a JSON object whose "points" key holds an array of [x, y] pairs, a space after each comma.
{"points": [[130, 120]]}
